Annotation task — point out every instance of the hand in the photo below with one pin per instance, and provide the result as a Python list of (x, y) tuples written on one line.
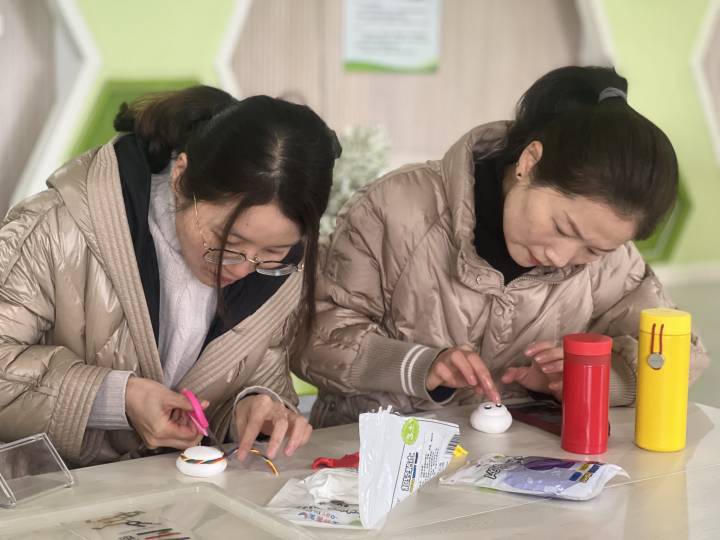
[(544, 374), (158, 415), (461, 367), (260, 413)]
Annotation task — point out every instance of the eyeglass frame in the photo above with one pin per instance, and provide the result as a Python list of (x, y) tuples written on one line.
[(285, 270)]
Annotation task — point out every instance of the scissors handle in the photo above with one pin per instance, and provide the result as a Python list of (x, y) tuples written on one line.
[(197, 415)]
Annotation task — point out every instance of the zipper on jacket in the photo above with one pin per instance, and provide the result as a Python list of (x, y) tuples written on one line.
[(549, 281)]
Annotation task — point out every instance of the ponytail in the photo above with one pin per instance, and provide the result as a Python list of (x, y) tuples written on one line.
[(165, 121), (553, 96)]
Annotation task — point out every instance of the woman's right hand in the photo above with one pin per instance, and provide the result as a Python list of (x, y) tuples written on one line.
[(461, 367), (159, 415)]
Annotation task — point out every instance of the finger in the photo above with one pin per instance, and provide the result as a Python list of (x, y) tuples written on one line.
[(509, 375), (183, 419), (174, 400), (518, 374), (297, 434), (197, 441), (170, 439), (280, 428), (445, 375), (538, 346), (308, 434), (483, 375), (179, 417), (240, 427), (176, 431), (462, 364), (150, 443), (555, 385), (549, 355), (204, 403), (186, 421), (251, 431), (552, 367)]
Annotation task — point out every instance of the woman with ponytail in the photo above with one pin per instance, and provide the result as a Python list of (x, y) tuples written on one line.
[(181, 254), (454, 281)]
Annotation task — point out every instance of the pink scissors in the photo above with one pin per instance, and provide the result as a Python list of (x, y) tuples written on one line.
[(197, 415)]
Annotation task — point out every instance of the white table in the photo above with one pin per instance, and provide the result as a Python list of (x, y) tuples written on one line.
[(669, 495)]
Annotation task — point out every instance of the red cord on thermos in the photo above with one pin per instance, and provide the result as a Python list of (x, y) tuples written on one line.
[(586, 393)]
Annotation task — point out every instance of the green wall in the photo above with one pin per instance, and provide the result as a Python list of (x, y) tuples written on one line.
[(654, 42), (154, 41)]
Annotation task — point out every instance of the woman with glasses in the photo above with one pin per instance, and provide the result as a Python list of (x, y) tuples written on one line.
[(455, 280), (171, 258)]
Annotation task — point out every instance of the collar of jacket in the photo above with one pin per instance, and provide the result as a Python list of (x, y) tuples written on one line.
[(91, 189), (457, 171)]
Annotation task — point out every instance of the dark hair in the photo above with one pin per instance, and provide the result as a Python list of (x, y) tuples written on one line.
[(253, 151), (602, 150)]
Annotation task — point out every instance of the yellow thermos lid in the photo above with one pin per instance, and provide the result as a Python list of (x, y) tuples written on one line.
[(673, 321)]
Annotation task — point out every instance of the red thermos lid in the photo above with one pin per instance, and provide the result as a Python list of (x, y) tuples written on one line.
[(587, 345)]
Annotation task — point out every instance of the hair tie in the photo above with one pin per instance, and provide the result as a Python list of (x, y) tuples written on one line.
[(611, 92)]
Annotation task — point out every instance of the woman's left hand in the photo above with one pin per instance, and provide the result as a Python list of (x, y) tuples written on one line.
[(260, 413), (544, 374)]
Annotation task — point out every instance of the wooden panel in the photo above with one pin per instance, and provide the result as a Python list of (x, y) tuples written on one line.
[(28, 88), (492, 50), (281, 51)]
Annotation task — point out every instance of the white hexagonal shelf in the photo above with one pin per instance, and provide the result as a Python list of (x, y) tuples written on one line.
[(26, 58), (59, 65)]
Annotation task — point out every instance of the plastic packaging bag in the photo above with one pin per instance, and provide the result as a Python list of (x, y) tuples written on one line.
[(328, 497), (397, 456), (534, 475)]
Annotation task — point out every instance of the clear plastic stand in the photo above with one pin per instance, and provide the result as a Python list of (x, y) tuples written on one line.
[(30, 467)]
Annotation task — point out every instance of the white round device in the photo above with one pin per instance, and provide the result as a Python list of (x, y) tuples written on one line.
[(491, 418), (201, 461)]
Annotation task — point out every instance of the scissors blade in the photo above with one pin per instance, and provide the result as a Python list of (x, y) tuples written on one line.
[(215, 441)]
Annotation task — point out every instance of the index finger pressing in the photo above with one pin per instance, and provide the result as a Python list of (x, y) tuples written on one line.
[(250, 432), (483, 375)]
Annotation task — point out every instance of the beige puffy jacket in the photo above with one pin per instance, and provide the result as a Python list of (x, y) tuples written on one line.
[(401, 281), (72, 308)]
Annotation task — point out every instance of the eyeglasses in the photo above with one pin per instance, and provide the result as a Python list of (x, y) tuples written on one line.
[(228, 257)]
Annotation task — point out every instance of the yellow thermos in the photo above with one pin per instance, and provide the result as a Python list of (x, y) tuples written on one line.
[(663, 372)]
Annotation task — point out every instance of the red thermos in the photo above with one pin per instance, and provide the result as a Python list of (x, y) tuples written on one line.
[(586, 393)]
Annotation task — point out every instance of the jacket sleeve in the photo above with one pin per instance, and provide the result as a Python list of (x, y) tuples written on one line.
[(42, 388), (351, 351), (622, 286)]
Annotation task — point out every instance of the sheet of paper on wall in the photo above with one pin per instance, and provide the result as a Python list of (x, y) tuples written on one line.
[(393, 36)]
